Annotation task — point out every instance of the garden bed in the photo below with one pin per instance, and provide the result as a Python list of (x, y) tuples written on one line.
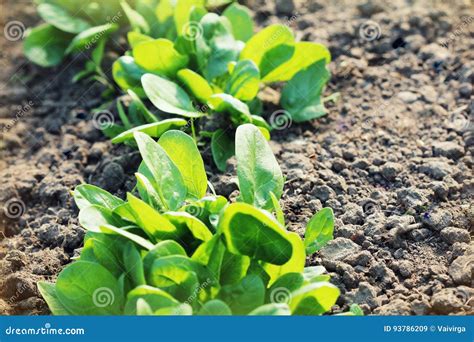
[(393, 157)]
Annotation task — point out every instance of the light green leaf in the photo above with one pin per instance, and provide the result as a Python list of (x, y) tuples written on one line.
[(161, 249), (278, 211), (319, 230), (239, 111), (305, 54), (159, 56), (154, 130), (61, 19), (196, 84), (313, 299), (257, 169), (134, 38), (166, 175), (94, 216), (182, 13), (244, 80), (301, 96), (86, 195), (151, 221), (168, 97), (184, 153), (109, 229), (240, 18), (265, 40), (255, 233)]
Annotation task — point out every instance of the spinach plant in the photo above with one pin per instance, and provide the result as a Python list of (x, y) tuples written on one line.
[(171, 248), (204, 63)]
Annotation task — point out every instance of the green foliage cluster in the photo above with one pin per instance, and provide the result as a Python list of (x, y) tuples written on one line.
[(171, 248)]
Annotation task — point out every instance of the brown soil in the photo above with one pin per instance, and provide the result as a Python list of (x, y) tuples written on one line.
[(393, 157)]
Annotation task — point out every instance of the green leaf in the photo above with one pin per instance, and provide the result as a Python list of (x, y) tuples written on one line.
[(183, 309), (155, 298), (196, 84), (182, 13), (239, 111), (159, 56), (222, 147), (280, 291), (168, 97), (184, 153), (216, 46), (240, 18), (314, 299), (234, 267), (161, 249), (94, 216), (88, 38), (305, 54), (138, 105), (301, 96), (86, 195), (266, 40), (85, 288), (244, 296), (319, 230), (182, 219), (273, 309), (294, 265), (356, 310), (45, 45), (106, 250), (137, 22), (127, 74), (166, 175), (255, 233), (143, 308), (257, 169), (61, 19), (109, 229), (278, 211), (134, 38), (215, 307), (48, 292), (313, 273), (151, 221), (244, 80), (276, 57), (154, 130), (133, 263)]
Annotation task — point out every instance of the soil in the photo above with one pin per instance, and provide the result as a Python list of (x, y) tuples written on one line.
[(393, 157)]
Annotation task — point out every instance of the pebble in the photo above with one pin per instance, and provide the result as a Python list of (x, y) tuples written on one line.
[(397, 307), (285, 7), (323, 192), (446, 301), (453, 234), (437, 219), (339, 248), (407, 96), (448, 149), (435, 168), (461, 270), (390, 170)]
